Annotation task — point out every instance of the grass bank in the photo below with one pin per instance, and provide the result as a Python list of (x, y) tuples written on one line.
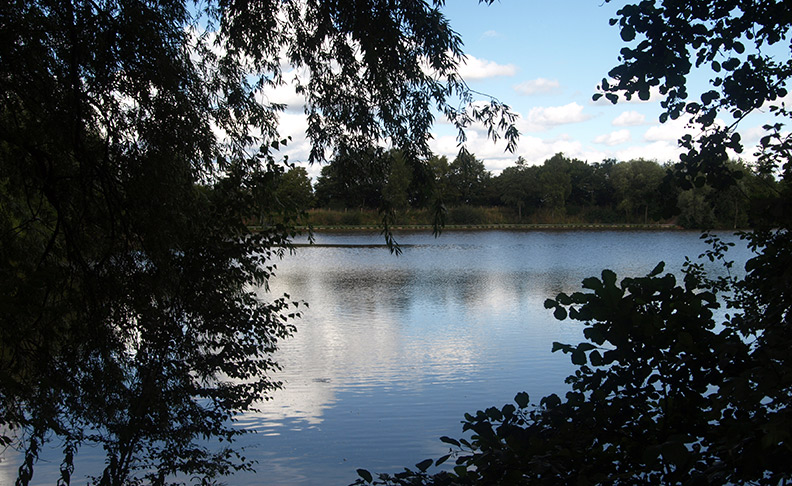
[(472, 218)]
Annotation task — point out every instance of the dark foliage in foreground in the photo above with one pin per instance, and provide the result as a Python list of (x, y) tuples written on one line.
[(136, 142)]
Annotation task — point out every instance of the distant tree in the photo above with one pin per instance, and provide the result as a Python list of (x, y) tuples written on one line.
[(294, 190), (583, 183), (695, 208), (354, 178), (467, 178), (399, 178), (556, 183), (441, 171), (602, 181), (637, 184), (513, 185)]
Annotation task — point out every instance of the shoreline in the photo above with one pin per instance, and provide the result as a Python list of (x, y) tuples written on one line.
[(485, 227)]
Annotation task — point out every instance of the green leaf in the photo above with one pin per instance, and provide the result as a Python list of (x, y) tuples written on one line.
[(578, 358)]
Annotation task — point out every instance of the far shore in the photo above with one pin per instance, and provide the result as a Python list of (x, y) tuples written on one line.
[(483, 227)]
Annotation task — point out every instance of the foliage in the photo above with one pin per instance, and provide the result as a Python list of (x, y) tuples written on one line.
[(561, 190), (294, 190), (669, 389), (467, 179), (135, 148), (637, 185)]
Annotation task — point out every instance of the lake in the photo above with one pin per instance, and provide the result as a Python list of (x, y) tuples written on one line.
[(393, 350)]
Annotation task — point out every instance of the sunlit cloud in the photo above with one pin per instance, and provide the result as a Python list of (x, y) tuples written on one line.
[(614, 138), (670, 131), (661, 151), (539, 119), (629, 119), (474, 68), (537, 86)]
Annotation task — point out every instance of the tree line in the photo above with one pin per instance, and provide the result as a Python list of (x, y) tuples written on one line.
[(560, 189)]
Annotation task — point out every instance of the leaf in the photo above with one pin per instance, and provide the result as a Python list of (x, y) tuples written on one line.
[(424, 465), (560, 313), (578, 357), (731, 64), (365, 475), (494, 414), (442, 459), (550, 401), (627, 33), (658, 269), (592, 283), (449, 440), (675, 452), (522, 399)]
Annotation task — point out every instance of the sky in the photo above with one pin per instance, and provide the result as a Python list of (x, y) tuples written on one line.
[(545, 59)]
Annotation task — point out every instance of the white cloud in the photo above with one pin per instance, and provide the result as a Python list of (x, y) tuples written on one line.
[(285, 94), (614, 138), (629, 119), (475, 68), (661, 151), (490, 34), (670, 131), (539, 119), (536, 86)]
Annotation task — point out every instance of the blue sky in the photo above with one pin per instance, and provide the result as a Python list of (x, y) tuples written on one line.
[(545, 59)]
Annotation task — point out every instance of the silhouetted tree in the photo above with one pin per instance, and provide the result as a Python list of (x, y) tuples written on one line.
[(133, 138)]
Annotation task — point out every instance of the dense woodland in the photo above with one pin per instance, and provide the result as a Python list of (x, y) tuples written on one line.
[(561, 190)]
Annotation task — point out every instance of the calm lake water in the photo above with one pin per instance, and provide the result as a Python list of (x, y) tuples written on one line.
[(394, 350)]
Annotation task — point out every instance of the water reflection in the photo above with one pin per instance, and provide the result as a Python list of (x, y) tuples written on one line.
[(394, 350)]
